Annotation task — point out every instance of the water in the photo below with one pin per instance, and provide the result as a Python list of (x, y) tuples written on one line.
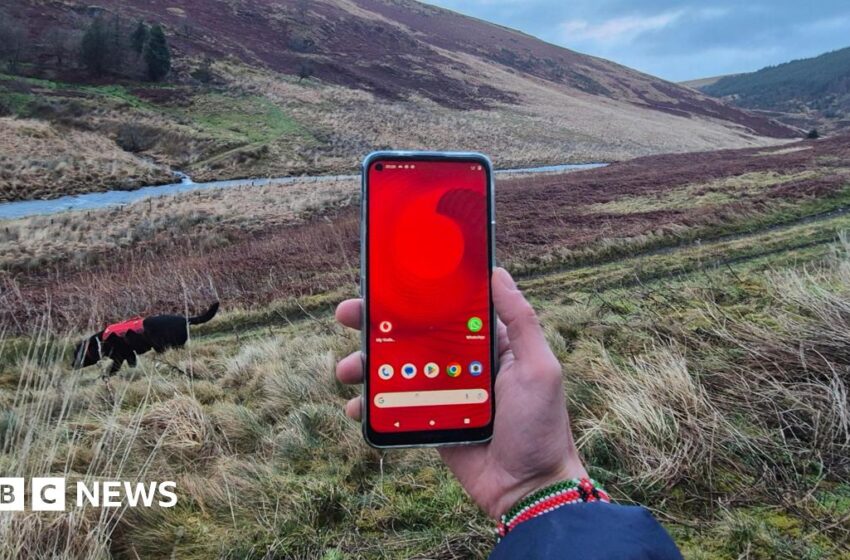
[(96, 200), (551, 168)]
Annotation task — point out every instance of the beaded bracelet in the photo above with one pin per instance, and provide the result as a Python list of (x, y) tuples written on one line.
[(551, 498)]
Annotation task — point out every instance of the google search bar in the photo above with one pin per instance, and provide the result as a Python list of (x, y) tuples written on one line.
[(430, 398)]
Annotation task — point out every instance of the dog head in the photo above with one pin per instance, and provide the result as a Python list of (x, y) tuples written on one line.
[(88, 352)]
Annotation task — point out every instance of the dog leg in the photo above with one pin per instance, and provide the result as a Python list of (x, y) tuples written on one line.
[(108, 386), (116, 365)]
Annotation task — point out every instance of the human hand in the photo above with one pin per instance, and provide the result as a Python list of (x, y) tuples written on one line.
[(532, 443)]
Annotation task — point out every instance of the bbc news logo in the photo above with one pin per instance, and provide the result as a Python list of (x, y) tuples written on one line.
[(48, 494)]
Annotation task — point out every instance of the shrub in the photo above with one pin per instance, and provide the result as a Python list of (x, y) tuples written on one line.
[(136, 137)]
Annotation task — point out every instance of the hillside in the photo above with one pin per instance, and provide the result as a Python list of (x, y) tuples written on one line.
[(811, 92), (262, 87), (700, 83)]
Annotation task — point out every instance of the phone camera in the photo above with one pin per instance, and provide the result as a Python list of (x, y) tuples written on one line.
[(379, 167)]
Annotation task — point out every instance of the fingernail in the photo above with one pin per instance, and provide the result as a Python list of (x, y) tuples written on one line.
[(506, 279)]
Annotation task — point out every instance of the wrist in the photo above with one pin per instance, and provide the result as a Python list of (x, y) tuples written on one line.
[(572, 468), (549, 499)]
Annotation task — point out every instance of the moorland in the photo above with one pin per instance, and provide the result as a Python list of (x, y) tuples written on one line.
[(695, 290), (272, 88), (698, 305)]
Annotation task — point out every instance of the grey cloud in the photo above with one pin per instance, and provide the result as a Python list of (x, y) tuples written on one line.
[(701, 38)]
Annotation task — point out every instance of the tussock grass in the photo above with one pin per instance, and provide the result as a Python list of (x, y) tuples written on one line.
[(57, 426), (656, 420), (201, 219), (42, 160), (717, 397), (729, 395)]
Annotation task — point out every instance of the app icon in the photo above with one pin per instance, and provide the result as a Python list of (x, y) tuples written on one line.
[(385, 372), (385, 326), (454, 369), (474, 324), (408, 371), (431, 370), (475, 369)]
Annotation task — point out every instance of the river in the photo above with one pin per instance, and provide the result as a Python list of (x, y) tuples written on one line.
[(96, 200)]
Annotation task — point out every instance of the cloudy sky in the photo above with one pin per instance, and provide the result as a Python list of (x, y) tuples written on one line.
[(677, 39)]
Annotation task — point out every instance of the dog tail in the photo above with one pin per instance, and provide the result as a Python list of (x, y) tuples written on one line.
[(206, 316)]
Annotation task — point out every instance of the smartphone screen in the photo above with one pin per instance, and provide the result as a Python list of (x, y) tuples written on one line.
[(429, 321)]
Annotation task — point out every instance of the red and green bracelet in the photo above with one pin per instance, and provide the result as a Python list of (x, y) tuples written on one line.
[(551, 498)]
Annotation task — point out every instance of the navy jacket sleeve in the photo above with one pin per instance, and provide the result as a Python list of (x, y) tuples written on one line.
[(594, 531)]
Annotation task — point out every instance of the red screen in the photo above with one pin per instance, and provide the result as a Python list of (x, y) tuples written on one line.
[(428, 296)]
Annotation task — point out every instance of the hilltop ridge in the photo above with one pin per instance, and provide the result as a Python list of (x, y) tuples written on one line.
[(810, 92)]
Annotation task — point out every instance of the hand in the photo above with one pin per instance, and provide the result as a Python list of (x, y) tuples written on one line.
[(532, 444)]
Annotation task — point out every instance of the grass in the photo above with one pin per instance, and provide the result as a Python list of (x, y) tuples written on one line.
[(669, 398), (295, 236), (252, 119), (704, 360), (44, 160), (723, 191), (208, 219)]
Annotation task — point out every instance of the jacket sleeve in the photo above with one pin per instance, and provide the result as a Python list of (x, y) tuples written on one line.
[(589, 531)]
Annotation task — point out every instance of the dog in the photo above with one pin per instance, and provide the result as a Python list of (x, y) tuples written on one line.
[(122, 342)]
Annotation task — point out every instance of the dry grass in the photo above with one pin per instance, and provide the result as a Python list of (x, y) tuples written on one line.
[(736, 188), (657, 417), (207, 219), (550, 125), (42, 160), (251, 246), (730, 417), (54, 424), (266, 124)]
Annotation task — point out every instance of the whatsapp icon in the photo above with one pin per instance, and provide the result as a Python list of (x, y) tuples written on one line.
[(474, 324)]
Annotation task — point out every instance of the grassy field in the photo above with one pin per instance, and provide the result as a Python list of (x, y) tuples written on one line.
[(703, 337)]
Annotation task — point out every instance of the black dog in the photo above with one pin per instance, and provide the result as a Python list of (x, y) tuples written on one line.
[(123, 341)]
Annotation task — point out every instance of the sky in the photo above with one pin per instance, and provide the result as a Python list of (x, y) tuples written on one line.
[(677, 39)]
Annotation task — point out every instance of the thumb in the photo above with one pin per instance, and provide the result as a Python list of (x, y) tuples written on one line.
[(524, 332)]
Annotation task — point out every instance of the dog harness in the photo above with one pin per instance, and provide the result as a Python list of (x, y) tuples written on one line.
[(135, 324)]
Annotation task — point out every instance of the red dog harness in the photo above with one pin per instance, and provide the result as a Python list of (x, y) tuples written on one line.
[(121, 329)]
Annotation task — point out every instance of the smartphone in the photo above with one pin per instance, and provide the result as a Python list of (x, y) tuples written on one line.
[(428, 332)]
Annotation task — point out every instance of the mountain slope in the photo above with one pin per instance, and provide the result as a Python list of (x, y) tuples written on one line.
[(814, 91), (373, 74)]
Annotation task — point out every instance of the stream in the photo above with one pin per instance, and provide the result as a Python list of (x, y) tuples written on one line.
[(96, 200)]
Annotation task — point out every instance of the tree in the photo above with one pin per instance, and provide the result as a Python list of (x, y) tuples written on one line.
[(117, 44), (139, 38), (61, 44), (13, 40), (94, 48), (813, 134), (157, 54)]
